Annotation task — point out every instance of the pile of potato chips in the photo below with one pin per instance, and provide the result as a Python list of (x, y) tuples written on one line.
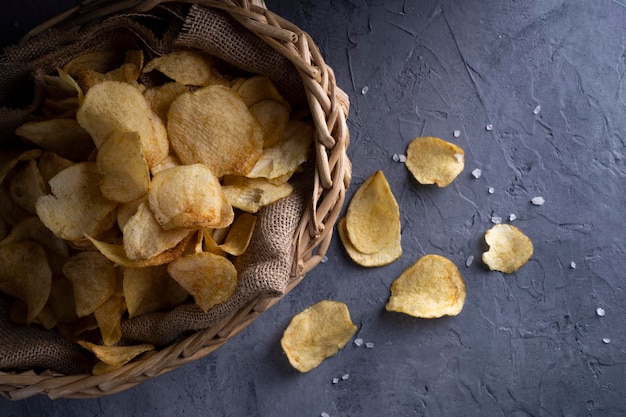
[(141, 186)]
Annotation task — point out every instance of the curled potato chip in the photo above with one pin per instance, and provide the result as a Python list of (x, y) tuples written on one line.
[(18, 313), (50, 164), (123, 166), (109, 319), (213, 126), (144, 238), (189, 196), (116, 355), (373, 215), (131, 113), (509, 248), (250, 194), (76, 206), (151, 289), (255, 89), (65, 137), (317, 333), (25, 274), (239, 234), (430, 288), (127, 210), (386, 255), (187, 67), (93, 280), (9, 159), (273, 116), (211, 279), (100, 61), (434, 161), (160, 98), (25, 185)]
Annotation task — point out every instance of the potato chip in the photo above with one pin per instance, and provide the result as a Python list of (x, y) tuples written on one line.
[(76, 206), (61, 299), (116, 355), (211, 279), (250, 194), (189, 196), (93, 280), (109, 318), (131, 113), (373, 216), (430, 288), (10, 211), (317, 333), (151, 289), (256, 89), (434, 161), (126, 73), (213, 126), (65, 137), (170, 161), (287, 155), (209, 243), (187, 67), (9, 159), (161, 97), (50, 164), (25, 275), (144, 238), (387, 254), (509, 248), (273, 116), (127, 210), (100, 61), (239, 234), (19, 311), (123, 166), (25, 185)]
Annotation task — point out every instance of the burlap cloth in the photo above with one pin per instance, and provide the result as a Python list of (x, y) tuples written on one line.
[(265, 268)]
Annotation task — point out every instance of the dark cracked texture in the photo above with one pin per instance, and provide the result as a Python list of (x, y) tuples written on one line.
[(549, 77)]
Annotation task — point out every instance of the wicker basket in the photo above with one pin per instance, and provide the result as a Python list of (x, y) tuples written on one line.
[(329, 108)]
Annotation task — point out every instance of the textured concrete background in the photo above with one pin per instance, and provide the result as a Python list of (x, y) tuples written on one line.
[(526, 344)]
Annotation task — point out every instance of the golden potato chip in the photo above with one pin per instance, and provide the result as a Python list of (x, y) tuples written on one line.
[(434, 161), (187, 67), (189, 196), (65, 137), (373, 216), (387, 254), (250, 194), (101, 368), (213, 126), (126, 73), (25, 185), (93, 280), (34, 230), (170, 161), (144, 238), (209, 243), (161, 97), (317, 333), (109, 318), (257, 88), (61, 299), (287, 155), (430, 288), (509, 248), (116, 355), (19, 311), (131, 113), (123, 166), (9, 159), (25, 275), (100, 61), (273, 116), (50, 164), (239, 234), (76, 206), (151, 289), (211, 279), (127, 210)]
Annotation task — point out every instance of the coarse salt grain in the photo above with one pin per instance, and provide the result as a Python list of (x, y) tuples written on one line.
[(491, 190), (600, 312), (606, 340), (496, 220), (335, 380), (477, 173), (537, 109), (324, 259), (345, 376), (364, 90), (572, 265), (324, 414), (538, 201), (470, 260), (402, 158), (457, 133), (358, 342), (395, 157), (489, 128), (369, 345), (512, 217)]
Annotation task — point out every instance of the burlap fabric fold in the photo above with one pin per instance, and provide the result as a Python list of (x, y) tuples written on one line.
[(264, 270)]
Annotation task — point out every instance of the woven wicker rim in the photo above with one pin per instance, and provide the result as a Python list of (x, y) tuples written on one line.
[(329, 107)]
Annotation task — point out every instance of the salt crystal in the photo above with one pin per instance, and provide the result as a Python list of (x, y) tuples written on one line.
[(364, 90), (324, 259), (469, 260), (600, 312), (324, 414), (572, 265), (477, 173), (537, 109), (369, 345), (395, 157), (512, 217), (402, 158), (335, 380), (538, 201), (358, 342), (606, 340), (491, 190), (459, 157), (457, 133), (345, 376), (489, 128), (496, 220)]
